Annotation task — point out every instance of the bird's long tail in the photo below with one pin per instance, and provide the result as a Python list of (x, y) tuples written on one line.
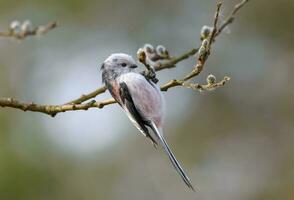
[(171, 156)]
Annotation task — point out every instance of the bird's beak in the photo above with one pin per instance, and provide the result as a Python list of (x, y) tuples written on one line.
[(102, 66), (133, 66)]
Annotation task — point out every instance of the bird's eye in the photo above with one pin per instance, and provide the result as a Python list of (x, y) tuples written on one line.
[(123, 64)]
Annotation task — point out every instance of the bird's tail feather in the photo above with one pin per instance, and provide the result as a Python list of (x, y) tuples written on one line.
[(171, 156)]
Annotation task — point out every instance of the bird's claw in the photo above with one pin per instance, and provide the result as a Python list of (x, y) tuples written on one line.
[(150, 74)]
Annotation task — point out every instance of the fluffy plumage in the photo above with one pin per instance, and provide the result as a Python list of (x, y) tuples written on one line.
[(141, 100)]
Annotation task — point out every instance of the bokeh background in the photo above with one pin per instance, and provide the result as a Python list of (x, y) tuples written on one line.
[(235, 142)]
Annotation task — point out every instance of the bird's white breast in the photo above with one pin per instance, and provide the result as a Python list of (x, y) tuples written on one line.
[(146, 95)]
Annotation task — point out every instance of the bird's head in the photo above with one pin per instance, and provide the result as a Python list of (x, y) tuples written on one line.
[(117, 64)]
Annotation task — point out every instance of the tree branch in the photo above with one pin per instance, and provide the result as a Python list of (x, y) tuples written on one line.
[(231, 17), (23, 30), (52, 109), (202, 52)]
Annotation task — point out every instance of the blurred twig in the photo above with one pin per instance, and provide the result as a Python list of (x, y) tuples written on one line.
[(23, 30), (231, 17), (202, 52)]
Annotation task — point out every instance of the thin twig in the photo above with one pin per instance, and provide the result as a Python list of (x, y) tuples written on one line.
[(208, 86), (231, 17), (215, 32), (22, 34), (201, 57), (88, 96)]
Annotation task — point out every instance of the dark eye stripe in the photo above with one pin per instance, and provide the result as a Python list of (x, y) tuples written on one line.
[(124, 64)]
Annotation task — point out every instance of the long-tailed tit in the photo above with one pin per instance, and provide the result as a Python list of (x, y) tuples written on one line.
[(141, 100)]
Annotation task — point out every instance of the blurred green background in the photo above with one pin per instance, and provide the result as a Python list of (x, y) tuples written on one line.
[(235, 142)]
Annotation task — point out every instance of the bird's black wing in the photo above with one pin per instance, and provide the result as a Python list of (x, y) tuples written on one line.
[(128, 102)]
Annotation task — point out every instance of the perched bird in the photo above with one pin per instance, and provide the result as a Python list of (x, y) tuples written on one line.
[(141, 100)]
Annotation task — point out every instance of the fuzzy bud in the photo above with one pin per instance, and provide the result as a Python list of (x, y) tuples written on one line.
[(141, 55), (201, 51), (205, 32), (149, 48), (14, 26), (26, 26), (203, 48), (205, 43), (211, 79), (162, 51)]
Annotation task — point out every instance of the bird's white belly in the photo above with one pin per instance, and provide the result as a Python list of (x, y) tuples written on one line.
[(147, 96)]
